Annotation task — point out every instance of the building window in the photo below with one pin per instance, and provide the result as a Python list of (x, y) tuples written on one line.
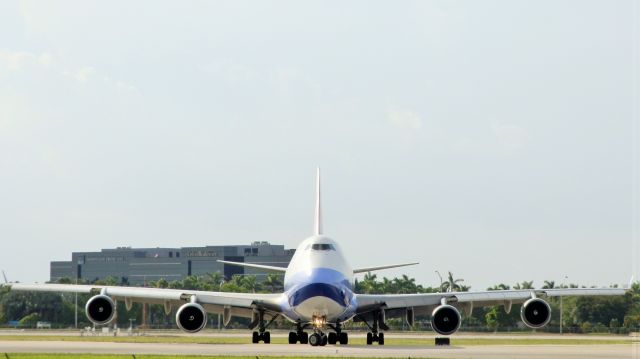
[(177, 254), (170, 254)]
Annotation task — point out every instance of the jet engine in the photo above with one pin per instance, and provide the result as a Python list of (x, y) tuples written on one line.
[(191, 318), (445, 320), (535, 313), (100, 309)]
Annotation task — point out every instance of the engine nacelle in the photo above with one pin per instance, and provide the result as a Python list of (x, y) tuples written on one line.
[(535, 313), (191, 318), (100, 309), (445, 320)]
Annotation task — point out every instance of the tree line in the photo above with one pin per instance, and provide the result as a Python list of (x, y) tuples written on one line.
[(619, 314)]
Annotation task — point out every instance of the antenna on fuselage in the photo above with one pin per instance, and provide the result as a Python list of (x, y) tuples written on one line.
[(317, 227)]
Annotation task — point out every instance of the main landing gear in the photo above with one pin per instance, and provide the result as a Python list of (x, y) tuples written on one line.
[(299, 335), (258, 337), (262, 335), (374, 336), (339, 336)]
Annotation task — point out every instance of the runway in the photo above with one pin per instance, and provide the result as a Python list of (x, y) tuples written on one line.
[(481, 352)]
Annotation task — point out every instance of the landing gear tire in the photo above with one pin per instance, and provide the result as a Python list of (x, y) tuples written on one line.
[(378, 323), (343, 338), (315, 339), (375, 337), (324, 340), (301, 337), (332, 338), (264, 336)]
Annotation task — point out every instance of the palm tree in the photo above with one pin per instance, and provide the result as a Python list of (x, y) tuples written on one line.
[(369, 284), (237, 280), (191, 282), (549, 284), (398, 285), (500, 286), (272, 282), (405, 284), (451, 284), (110, 280), (387, 285), (161, 283), (250, 283), (211, 281), (214, 278), (524, 285)]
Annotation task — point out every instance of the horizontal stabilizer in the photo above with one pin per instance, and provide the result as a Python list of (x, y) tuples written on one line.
[(371, 269), (252, 265)]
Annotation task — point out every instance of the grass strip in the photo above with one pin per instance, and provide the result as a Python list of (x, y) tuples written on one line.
[(130, 356)]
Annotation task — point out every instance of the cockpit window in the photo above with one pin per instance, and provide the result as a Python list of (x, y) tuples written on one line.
[(323, 247)]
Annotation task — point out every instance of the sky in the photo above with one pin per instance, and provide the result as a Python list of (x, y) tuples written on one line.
[(497, 140)]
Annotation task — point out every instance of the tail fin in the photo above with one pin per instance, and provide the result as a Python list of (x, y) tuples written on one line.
[(317, 227)]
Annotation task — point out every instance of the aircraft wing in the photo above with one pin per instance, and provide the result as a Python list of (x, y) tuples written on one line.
[(237, 304), (254, 265), (371, 269), (466, 301)]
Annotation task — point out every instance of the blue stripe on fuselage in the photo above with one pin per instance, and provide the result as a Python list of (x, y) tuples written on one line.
[(318, 290), (325, 276), (323, 282)]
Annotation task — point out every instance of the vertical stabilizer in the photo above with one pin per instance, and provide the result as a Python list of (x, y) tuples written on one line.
[(317, 223)]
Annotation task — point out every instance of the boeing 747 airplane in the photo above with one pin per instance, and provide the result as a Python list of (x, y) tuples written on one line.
[(318, 299)]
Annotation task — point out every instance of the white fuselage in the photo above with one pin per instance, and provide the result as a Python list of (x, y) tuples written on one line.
[(318, 283)]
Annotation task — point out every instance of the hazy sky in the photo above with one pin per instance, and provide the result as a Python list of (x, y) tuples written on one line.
[(494, 139)]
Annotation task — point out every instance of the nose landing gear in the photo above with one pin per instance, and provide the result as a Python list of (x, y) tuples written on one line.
[(318, 339)]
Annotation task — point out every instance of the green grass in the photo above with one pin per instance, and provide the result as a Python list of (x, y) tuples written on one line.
[(138, 339), (123, 356), (457, 341)]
